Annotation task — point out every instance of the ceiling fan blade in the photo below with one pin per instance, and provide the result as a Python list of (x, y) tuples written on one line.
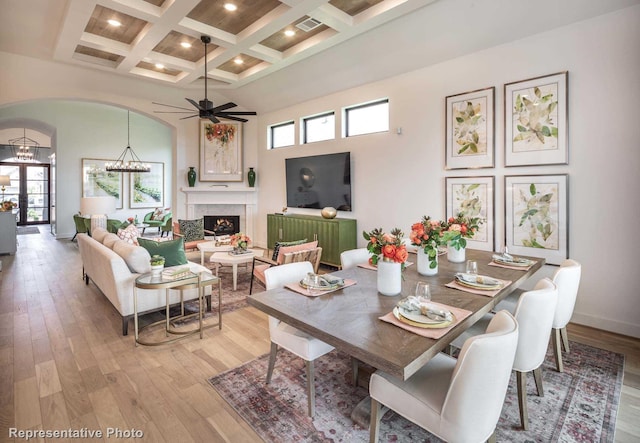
[(171, 106), (190, 111), (223, 107), (213, 119), (191, 116), (237, 113), (228, 117), (194, 103)]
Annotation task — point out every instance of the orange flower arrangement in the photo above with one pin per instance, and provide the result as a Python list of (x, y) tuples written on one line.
[(240, 240), (427, 234), (387, 247)]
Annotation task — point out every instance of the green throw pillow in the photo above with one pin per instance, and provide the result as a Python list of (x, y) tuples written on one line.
[(172, 250), (192, 229), (276, 248)]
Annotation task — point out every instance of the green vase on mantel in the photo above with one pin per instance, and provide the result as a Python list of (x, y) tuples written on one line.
[(191, 176), (251, 177)]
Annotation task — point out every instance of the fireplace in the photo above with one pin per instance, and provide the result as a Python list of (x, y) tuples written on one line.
[(222, 224)]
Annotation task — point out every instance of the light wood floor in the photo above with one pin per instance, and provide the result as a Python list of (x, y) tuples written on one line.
[(64, 363)]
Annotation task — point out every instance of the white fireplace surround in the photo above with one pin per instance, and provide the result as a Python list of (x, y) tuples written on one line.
[(221, 195)]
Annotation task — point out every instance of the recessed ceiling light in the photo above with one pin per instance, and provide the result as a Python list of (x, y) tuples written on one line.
[(185, 44), (238, 61), (289, 32), (230, 7), (114, 22), (159, 66)]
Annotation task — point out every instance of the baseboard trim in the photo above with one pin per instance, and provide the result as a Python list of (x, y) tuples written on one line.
[(606, 324)]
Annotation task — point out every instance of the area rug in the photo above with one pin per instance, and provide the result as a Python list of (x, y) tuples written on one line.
[(579, 405), (24, 230)]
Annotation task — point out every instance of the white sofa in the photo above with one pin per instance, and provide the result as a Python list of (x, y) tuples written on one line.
[(113, 265)]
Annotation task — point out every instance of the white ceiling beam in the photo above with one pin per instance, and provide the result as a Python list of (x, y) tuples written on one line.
[(78, 15)]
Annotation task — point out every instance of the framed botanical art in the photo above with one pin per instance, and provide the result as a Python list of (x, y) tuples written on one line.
[(537, 219), (470, 129), (536, 131), (146, 189), (98, 182), (220, 151), (473, 197)]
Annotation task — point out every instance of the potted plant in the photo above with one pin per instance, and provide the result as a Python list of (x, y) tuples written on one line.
[(157, 264)]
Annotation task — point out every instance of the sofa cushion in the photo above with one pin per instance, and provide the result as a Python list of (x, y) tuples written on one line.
[(99, 234), (129, 234), (295, 248), (137, 259), (110, 240), (172, 250), (278, 244), (192, 229)]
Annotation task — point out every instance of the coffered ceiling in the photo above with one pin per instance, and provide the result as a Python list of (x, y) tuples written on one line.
[(160, 39)]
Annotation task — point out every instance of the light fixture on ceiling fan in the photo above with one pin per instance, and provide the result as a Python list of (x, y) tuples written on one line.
[(128, 160), (23, 148), (205, 108)]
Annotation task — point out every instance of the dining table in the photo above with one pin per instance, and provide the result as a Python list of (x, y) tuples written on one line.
[(350, 318)]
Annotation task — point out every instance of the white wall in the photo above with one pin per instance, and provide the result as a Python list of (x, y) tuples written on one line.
[(398, 178)]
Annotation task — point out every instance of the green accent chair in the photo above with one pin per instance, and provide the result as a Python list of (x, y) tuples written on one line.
[(167, 227), (82, 227), (156, 223), (113, 225)]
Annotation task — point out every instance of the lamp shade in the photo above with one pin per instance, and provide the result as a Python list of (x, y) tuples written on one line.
[(5, 180), (97, 205)]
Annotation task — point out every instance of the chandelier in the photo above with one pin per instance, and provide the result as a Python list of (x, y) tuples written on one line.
[(128, 160), (24, 149)]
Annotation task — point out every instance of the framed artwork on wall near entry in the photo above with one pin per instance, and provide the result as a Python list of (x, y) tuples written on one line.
[(469, 133), (98, 182), (536, 123), (220, 151), (473, 197), (536, 216), (146, 189)]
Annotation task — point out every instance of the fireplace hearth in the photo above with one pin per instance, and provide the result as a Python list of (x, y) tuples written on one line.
[(222, 224)]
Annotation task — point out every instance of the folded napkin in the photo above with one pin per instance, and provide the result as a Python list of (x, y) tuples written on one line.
[(435, 333), (424, 306), (517, 268), (375, 268), (455, 285), (297, 287)]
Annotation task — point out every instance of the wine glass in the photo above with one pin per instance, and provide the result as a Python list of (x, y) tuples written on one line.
[(422, 290), (472, 267)]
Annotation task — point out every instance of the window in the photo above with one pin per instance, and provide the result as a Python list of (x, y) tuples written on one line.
[(319, 127), (281, 135), (367, 118)]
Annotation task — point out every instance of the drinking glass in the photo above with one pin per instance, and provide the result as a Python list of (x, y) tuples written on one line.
[(472, 267), (422, 290)]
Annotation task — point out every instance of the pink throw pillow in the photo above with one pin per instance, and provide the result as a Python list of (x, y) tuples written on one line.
[(129, 234), (296, 248)]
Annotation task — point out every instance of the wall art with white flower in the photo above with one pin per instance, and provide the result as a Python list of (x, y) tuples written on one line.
[(473, 197)]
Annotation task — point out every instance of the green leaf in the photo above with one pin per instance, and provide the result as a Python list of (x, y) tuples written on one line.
[(522, 128), (459, 119), (532, 189), (546, 198), (473, 147), (546, 131), (473, 186), (537, 92), (464, 148), (554, 132), (476, 137), (366, 235)]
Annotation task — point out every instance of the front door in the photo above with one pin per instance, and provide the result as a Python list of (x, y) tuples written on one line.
[(30, 189)]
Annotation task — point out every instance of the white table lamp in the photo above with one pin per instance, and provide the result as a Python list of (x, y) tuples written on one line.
[(97, 208), (5, 180)]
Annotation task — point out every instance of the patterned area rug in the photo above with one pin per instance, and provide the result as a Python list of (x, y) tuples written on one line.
[(579, 405)]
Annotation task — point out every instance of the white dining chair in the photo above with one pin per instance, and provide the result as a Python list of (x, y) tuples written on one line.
[(456, 400), (295, 341), (353, 257), (567, 279), (534, 313)]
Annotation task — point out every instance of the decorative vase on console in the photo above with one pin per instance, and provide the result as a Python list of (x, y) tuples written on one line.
[(389, 254), (426, 235), (191, 176), (458, 229), (251, 177)]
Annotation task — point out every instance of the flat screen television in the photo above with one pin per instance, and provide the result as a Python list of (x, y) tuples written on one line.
[(319, 181)]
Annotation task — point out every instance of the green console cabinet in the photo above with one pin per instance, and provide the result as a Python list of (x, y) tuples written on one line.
[(334, 235)]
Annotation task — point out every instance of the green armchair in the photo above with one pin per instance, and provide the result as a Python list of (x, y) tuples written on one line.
[(82, 227), (148, 220)]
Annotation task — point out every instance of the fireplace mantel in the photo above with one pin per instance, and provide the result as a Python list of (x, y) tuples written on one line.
[(221, 195)]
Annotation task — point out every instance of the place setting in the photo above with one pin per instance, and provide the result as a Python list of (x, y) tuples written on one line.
[(506, 260), (419, 314), (314, 285), (471, 281)]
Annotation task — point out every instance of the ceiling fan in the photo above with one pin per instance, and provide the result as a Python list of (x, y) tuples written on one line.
[(205, 108)]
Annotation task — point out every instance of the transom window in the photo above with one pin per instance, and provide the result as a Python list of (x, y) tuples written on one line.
[(319, 127), (282, 134), (367, 118)]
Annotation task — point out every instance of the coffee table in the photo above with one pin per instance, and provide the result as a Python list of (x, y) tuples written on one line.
[(226, 258), (210, 246)]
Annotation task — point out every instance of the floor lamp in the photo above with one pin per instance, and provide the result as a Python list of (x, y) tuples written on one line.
[(97, 208)]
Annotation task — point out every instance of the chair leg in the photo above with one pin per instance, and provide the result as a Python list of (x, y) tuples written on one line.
[(537, 377), (565, 339), (253, 265), (354, 371), (521, 378), (557, 352), (311, 389), (74, 236), (492, 438), (272, 361), (374, 421)]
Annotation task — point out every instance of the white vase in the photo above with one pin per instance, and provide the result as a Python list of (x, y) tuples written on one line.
[(424, 265), (157, 269), (389, 277), (455, 255)]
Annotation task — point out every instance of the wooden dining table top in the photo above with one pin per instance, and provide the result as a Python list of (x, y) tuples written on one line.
[(348, 319)]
